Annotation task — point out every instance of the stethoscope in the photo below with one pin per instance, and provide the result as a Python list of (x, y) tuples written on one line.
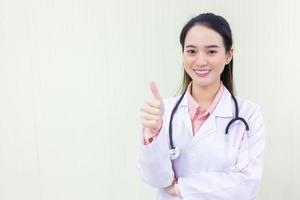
[(175, 151)]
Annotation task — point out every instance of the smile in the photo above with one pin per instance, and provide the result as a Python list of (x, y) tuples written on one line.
[(202, 72)]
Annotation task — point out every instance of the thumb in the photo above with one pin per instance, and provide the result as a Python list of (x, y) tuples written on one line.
[(154, 90)]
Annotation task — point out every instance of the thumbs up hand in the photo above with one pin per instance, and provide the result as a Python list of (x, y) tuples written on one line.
[(152, 111)]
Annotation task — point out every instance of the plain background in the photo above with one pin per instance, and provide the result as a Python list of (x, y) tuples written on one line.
[(73, 74)]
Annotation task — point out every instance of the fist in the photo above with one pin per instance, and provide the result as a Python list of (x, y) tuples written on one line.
[(152, 111)]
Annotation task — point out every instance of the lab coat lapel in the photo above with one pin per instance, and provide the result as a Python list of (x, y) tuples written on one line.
[(185, 114), (223, 109), (208, 127)]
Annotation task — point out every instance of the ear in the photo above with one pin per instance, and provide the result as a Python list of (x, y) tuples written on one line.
[(229, 55)]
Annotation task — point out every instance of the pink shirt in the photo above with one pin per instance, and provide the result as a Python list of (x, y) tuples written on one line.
[(199, 115)]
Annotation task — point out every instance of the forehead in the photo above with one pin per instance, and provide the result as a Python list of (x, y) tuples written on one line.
[(201, 36)]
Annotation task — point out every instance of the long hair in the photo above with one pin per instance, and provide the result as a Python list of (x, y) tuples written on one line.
[(221, 26)]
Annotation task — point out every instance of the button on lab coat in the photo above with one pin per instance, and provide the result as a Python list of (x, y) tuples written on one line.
[(212, 165)]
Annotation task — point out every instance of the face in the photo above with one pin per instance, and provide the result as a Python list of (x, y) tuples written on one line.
[(204, 56)]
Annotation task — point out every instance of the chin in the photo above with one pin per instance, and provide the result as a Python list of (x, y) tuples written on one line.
[(205, 82), (202, 83)]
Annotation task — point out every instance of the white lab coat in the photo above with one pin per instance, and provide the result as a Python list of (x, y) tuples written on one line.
[(212, 165)]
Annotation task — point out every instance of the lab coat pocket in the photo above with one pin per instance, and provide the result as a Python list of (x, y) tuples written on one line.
[(234, 139)]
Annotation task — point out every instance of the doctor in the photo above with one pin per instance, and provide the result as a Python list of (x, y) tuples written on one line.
[(211, 165)]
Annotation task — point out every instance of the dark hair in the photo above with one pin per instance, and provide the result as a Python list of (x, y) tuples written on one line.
[(221, 26)]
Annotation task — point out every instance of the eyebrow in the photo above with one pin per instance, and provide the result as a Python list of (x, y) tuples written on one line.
[(208, 46)]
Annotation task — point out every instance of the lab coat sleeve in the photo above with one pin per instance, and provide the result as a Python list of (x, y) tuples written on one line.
[(154, 164), (241, 181)]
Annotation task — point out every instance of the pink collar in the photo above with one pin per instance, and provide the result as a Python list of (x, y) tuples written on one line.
[(193, 106)]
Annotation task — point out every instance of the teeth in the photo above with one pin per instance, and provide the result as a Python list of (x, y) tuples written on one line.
[(202, 71)]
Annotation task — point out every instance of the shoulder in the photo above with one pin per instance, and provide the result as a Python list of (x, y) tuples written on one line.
[(251, 112), (171, 101), (247, 106)]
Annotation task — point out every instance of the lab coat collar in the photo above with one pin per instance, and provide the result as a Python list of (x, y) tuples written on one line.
[(224, 107)]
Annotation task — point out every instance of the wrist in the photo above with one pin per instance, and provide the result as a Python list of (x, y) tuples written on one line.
[(177, 189)]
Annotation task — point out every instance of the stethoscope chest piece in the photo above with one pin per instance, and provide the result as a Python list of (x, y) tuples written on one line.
[(174, 153)]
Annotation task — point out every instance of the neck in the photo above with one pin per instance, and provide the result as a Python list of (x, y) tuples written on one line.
[(205, 96)]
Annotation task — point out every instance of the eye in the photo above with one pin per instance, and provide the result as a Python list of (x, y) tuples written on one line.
[(212, 52), (191, 51)]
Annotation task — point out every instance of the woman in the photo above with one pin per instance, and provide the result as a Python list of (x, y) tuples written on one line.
[(215, 162)]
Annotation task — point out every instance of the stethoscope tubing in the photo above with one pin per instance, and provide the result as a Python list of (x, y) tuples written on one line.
[(174, 151)]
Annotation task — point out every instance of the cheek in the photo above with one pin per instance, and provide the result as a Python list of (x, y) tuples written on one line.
[(218, 63), (188, 60)]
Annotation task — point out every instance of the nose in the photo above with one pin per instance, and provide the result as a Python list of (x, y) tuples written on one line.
[(201, 60)]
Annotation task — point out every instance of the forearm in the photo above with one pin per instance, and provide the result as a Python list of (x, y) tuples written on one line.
[(154, 163)]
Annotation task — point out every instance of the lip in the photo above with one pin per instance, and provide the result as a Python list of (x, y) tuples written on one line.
[(202, 72)]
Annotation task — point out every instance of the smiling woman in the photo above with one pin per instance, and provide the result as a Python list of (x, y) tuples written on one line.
[(204, 60), (206, 144)]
